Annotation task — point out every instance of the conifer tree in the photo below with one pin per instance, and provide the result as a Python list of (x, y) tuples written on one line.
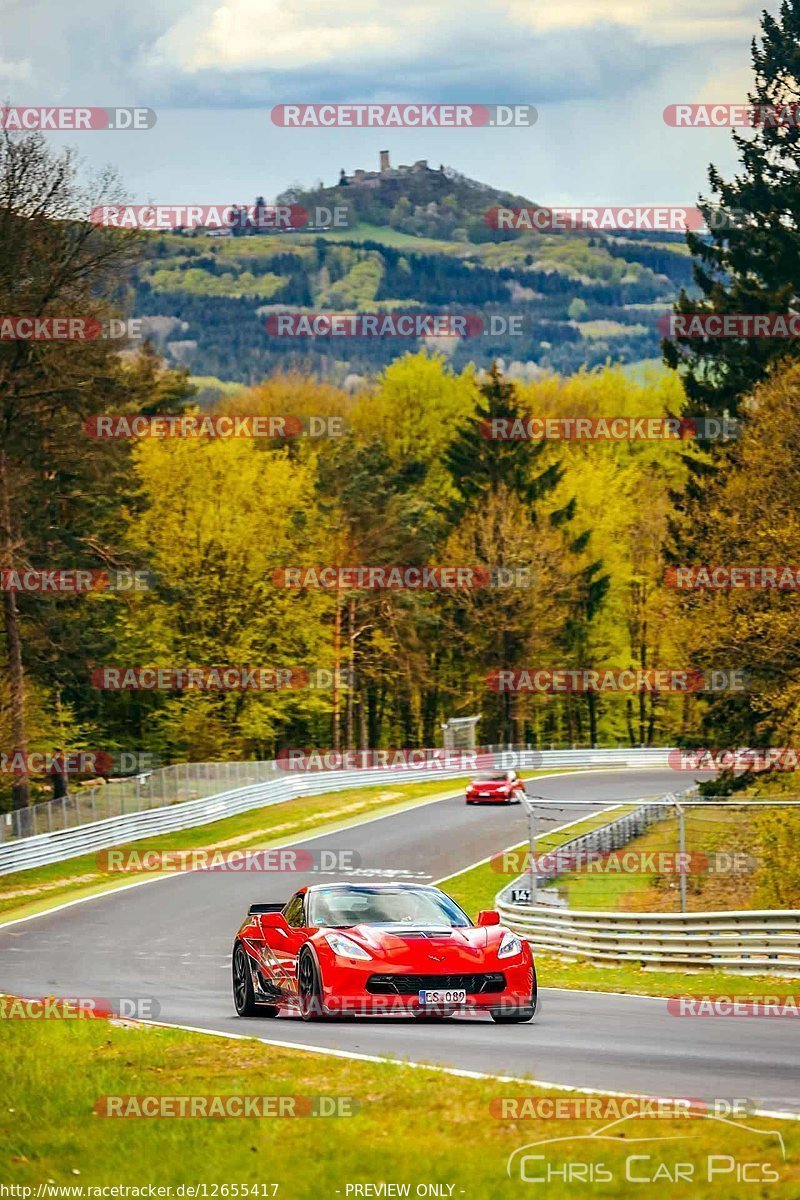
[(750, 260)]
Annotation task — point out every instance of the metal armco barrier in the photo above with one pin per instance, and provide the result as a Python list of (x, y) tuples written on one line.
[(736, 940), (271, 785)]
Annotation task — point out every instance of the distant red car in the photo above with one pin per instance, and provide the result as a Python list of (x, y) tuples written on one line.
[(369, 949), (496, 787)]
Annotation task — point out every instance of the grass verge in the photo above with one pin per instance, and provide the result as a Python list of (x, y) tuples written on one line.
[(411, 1127), (712, 836)]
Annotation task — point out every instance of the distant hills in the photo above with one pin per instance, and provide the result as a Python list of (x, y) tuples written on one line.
[(417, 240)]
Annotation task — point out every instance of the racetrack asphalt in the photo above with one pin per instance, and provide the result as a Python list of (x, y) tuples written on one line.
[(171, 940)]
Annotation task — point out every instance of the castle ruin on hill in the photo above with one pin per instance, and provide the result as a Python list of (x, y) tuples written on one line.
[(387, 173)]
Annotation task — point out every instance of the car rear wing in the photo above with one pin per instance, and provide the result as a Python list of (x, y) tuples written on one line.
[(255, 909)]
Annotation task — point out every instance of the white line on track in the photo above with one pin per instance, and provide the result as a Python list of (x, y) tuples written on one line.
[(288, 841), (461, 1072)]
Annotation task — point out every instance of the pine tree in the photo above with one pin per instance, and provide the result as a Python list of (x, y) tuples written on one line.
[(479, 464), (497, 479), (750, 260)]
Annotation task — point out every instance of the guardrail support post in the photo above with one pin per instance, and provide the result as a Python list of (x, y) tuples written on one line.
[(681, 851), (532, 837)]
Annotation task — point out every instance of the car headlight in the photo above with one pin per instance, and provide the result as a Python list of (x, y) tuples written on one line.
[(345, 947), (509, 944)]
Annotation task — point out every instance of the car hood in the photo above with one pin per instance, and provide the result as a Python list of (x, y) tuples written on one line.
[(426, 946)]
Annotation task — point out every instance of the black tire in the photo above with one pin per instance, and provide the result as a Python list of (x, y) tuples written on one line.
[(516, 1016), (309, 988), (243, 995)]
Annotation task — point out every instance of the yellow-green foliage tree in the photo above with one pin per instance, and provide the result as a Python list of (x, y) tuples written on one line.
[(622, 499), (219, 518), (778, 879)]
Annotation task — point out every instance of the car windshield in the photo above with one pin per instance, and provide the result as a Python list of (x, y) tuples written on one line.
[(492, 777), (342, 907)]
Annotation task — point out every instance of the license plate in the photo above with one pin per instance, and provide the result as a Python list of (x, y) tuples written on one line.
[(443, 996)]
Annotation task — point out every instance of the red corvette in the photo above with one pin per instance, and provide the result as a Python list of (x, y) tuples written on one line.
[(341, 948), (496, 787)]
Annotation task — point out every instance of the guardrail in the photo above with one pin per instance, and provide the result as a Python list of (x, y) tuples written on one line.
[(265, 784), (761, 940), (146, 790), (189, 781)]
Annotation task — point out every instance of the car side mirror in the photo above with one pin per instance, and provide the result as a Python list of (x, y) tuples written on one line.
[(275, 921), (488, 916)]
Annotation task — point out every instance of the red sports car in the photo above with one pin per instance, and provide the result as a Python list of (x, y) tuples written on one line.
[(342, 948), (496, 787)]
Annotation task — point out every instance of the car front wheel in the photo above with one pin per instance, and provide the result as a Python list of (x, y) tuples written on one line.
[(520, 1013), (309, 987)]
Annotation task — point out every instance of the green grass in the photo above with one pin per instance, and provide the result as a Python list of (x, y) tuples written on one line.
[(26, 892), (362, 232), (226, 386), (649, 981), (262, 248), (709, 833), (413, 1126), (477, 887)]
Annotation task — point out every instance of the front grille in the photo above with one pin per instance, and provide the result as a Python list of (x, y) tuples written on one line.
[(408, 985)]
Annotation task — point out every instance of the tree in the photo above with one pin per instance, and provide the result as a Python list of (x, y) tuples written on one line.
[(750, 518), (750, 261), (504, 512), (217, 520), (53, 262), (387, 486), (577, 309), (624, 490), (58, 488), (369, 503), (479, 463), (514, 624)]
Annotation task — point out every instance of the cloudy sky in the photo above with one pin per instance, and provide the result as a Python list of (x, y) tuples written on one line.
[(600, 73)]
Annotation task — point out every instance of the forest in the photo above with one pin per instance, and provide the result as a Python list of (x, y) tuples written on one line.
[(577, 541)]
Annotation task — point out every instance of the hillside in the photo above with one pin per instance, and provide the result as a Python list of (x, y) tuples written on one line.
[(416, 239)]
